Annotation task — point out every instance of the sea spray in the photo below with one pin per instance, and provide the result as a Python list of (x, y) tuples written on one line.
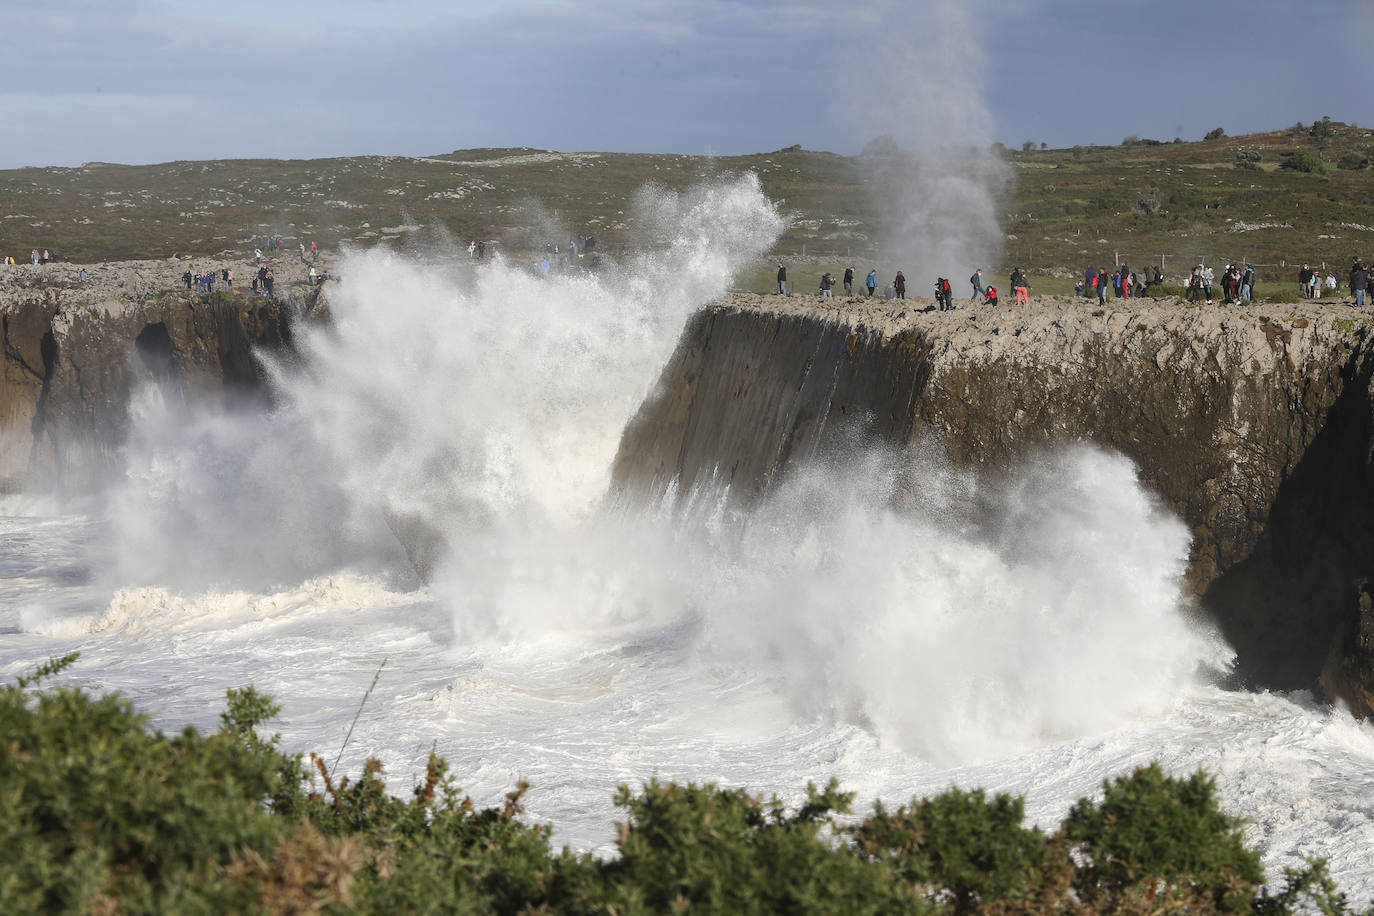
[(485, 404), (1049, 609), (936, 179), (954, 617)]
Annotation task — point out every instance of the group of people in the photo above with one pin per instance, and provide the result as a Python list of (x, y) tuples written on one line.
[(1310, 282), (1361, 282), (1122, 281), (205, 282), (944, 290), (1238, 283)]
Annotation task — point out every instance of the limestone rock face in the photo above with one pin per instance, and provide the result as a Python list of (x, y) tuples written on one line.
[(74, 352), (1255, 425)]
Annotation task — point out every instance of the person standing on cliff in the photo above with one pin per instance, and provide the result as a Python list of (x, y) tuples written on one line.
[(827, 282), (899, 284), (977, 281), (1102, 281), (1019, 286), (849, 281), (782, 280), (1247, 283), (872, 282), (1359, 278)]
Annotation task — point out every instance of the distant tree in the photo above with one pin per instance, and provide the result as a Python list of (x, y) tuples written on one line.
[(1027, 146), (1353, 161), (1178, 139), (1131, 140), (1321, 133), (1044, 145), (1215, 133), (1303, 160)]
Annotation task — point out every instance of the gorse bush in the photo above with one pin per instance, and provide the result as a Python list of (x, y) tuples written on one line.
[(99, 814), (1303, 161)]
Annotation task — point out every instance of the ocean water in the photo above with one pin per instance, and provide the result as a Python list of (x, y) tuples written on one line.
[(879, 618)]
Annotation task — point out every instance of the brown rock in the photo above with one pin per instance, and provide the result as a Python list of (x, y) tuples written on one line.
[(1257, 432)]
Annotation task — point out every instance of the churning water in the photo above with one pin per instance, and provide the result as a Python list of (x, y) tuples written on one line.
[(878, 619)]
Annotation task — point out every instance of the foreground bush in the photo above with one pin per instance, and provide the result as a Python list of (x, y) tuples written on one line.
[(101, 815)]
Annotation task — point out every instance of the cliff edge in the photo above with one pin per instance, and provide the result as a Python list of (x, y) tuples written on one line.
[(78, 340), (1254, 424)]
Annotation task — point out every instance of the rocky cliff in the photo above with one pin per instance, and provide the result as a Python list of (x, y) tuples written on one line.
[(75, 346), (1254, 424)]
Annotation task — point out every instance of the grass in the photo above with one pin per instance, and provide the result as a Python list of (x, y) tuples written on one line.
[(1145, 204)]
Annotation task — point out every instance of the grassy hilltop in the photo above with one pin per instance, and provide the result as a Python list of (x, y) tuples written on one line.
[(1305, 193)]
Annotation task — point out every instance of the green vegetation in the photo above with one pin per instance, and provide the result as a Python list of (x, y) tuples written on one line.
[(1275, 199), (99, 814), (1302, 160)]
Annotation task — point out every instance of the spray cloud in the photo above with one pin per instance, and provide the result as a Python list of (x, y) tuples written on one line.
[(936, 179)]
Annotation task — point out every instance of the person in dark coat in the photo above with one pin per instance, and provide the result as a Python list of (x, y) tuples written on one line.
[(1359, 280), (782, 280), (899, 284), (849, 281)]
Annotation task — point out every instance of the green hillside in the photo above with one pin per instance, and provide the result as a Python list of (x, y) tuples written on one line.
[(1277, 199)]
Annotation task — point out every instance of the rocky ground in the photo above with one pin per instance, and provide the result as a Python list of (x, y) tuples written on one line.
[(972, 323), (115, 284)]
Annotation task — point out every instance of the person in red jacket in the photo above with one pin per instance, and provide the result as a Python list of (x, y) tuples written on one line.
[(990, 296)]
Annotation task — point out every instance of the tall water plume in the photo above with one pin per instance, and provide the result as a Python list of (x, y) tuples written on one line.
[(936, 180), (467, 400), (958, 620)]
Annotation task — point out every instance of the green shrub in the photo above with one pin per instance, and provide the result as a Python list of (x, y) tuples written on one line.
[(1353, 161), (100, 814), (1303, 161), (1282, 293), (976, 851), (1166, 291), (725, 851), (95, 808), (1153, 835)]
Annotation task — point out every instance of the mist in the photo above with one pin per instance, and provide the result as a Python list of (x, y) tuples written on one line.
[(937, 183)]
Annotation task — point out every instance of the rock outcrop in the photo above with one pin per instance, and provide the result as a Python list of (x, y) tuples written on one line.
[(1254, 424), (75, 348)]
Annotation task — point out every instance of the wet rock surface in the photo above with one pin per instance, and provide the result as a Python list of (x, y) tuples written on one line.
[(77, 347), (1255, 424)]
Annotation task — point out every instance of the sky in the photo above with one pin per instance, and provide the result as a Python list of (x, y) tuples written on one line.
[(145, 81)]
